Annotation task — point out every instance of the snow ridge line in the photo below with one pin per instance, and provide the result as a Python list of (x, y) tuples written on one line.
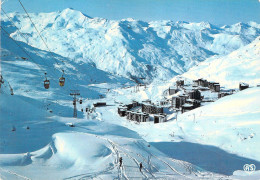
[(13, 173)]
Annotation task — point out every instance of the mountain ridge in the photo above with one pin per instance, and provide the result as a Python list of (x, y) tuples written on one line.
[(132, 48)]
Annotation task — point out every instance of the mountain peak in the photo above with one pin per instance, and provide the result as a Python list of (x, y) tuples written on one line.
[(156, 50)]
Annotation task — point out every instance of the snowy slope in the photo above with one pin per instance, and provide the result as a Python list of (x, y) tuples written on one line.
[(131, 48), (50, 149), (26, 76), (221, 136), (230, 123), (242, 65)]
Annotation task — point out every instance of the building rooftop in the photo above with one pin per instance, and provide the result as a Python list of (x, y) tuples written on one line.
[(187, 105)]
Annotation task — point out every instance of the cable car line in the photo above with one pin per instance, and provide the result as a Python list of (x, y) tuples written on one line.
[(62, 79), (28, 54), (22, 36), (46, 81), (38, 32), (14, 25), (19, 45)]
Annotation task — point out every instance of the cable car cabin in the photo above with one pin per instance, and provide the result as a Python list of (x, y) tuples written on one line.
[(62, 81), (47, 84)]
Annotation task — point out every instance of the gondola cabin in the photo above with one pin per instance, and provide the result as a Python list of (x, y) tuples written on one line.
[(62, 81), (47, 84)]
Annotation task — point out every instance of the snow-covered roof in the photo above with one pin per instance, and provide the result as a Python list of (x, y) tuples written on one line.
[(243, 84), (187, 105)]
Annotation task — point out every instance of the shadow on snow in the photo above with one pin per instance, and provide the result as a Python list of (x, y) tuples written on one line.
[(210, 158)]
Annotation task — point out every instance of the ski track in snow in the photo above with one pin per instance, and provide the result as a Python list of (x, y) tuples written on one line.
[(14, 173), (126, 154)]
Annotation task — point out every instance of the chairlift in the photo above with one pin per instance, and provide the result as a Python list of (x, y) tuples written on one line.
[(1, 80), (46, 83), (62, 80), (11, 89), (80, 101)]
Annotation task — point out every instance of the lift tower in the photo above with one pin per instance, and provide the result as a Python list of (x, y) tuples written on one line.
[(75, 93)]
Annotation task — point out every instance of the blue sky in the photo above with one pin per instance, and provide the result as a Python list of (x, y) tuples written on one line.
[(214, 11)]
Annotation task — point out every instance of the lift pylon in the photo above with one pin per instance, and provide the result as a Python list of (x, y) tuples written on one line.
[(75, 93)]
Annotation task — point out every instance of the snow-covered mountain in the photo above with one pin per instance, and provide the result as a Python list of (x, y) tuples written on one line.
[(131, 48), (26, 76), (242, 65)]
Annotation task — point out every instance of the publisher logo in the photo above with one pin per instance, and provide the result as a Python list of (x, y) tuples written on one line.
[(249, 168)]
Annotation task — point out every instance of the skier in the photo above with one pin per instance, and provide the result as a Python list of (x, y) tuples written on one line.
[(141, 166), (120, 161)]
